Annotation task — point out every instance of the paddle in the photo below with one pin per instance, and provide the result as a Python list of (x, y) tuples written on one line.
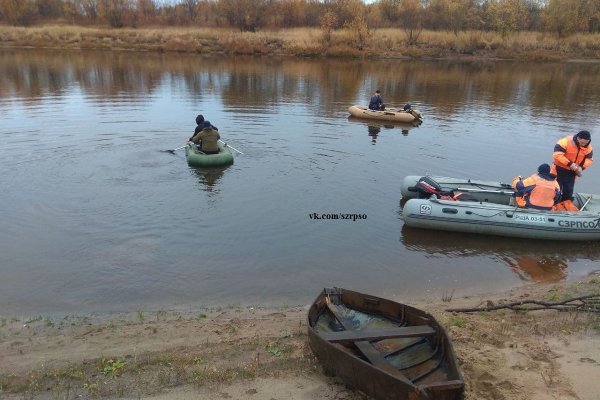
[(230, 146), (174, 150)]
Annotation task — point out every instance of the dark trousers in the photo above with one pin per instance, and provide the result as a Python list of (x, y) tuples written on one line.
[(566, 180)]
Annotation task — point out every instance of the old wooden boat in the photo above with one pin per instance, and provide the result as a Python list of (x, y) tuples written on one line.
[(197, 158), (390, 351), (391, 114), (489, 209)]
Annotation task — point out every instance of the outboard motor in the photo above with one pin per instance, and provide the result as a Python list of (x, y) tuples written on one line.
[(426, 187), (415, 113)]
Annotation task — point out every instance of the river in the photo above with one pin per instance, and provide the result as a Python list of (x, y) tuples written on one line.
[(98, 217)]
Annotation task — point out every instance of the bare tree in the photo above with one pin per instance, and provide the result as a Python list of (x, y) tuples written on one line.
[(90, 9)]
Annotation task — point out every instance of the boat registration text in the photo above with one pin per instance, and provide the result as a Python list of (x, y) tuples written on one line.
[(531, 218)]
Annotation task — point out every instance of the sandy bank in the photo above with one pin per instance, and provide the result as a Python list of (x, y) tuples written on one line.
[(263, 354)]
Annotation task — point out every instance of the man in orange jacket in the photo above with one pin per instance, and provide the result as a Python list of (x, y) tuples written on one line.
[(539, 191), (572, 155)]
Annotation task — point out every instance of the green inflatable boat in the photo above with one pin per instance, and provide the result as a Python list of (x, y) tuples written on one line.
[(196, 158)]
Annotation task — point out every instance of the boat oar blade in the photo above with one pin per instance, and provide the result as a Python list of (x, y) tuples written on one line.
[(172, 151)]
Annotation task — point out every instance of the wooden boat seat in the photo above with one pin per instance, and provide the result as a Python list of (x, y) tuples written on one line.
[(372, 334)]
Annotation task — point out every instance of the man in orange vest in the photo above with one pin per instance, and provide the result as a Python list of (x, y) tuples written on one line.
[(572, 154), (539, 191)]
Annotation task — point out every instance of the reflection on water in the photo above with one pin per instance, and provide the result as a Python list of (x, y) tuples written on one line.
[(440, 90), (546, 269), (530, 260), (209, 177), (373, 132), (96, 217), (374, 127)]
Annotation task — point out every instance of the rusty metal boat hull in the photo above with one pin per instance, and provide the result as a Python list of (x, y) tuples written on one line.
[(388, 350)]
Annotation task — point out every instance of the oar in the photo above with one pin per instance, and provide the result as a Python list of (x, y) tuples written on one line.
[(474, 190), (586, 203), (230, 146), (174, 150)]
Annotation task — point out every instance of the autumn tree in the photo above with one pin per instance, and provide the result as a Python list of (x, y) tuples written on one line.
[(70, 11), (18, 12), (346, 10), (590, 16), (115, 12), (328, 24), (49, 8), (246, 15), (561, 16), (390, 10), (456, 14), (191, 9), (352, 16), (411, 19), (291, 13), (507, 16), (359, 29), (146, 11), (533, 12)]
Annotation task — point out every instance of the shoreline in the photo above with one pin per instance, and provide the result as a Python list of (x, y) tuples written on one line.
[(388, 43), (235, 352)]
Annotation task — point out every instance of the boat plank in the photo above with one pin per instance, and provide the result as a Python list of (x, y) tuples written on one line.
[(433, 387), (367, 349), (373, 334)]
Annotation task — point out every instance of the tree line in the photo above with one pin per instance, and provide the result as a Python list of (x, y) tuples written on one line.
[(562, 17)]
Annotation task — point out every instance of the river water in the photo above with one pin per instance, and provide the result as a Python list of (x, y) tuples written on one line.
[(98, 217)]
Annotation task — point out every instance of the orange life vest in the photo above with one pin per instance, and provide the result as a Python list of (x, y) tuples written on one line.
[(567, 151), (541, 196)]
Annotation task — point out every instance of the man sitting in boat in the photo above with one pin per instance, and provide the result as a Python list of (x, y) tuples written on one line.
[(201, 123), (206, 136), (540, 191), (376, 102)]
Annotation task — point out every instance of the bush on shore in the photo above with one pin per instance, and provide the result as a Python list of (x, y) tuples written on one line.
[(308, 42)]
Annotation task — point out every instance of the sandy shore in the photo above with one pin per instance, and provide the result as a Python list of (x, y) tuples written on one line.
[(263, 354)]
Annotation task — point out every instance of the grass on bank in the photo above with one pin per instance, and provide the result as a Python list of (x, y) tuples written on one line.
[(211, 364), (309, 42), (506, 324)]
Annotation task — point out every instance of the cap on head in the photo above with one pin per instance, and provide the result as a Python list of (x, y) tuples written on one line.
[(585, 135), (407, 107), (544, 169), (199, 119)]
